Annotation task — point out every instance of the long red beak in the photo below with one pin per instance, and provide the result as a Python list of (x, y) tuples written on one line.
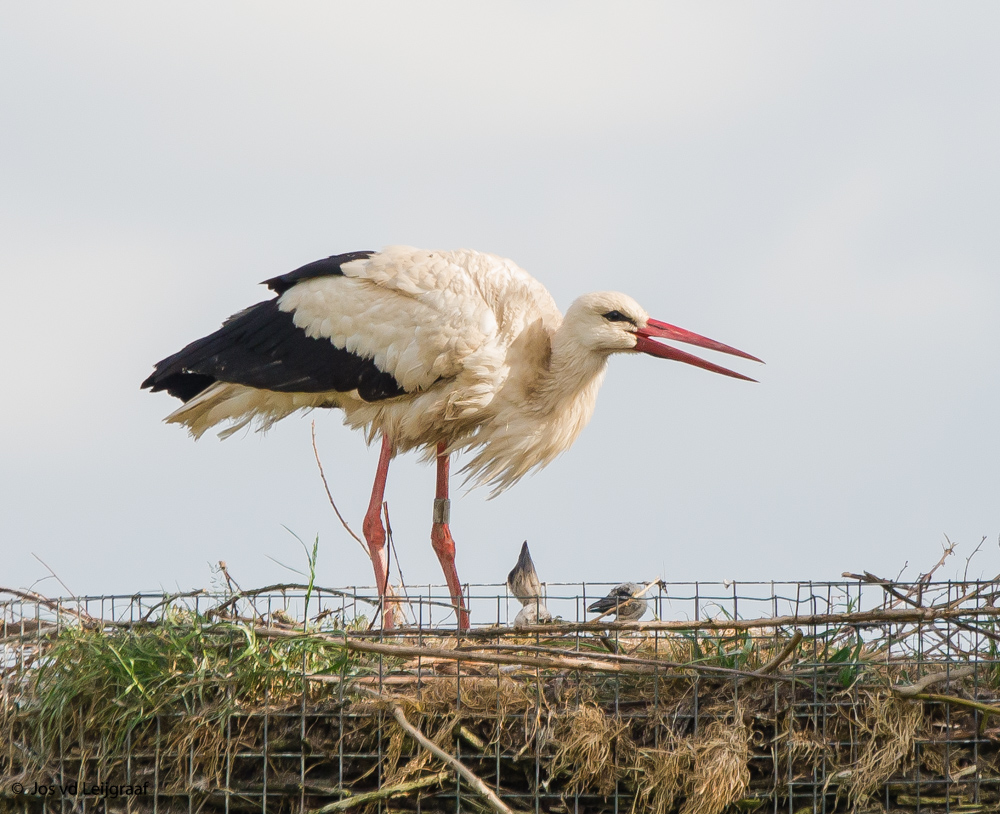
[(663, 330)]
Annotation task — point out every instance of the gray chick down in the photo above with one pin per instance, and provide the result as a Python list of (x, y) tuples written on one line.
[(623, 601), (524, 585)]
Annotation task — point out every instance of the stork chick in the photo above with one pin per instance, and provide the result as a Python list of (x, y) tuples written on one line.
[(524, 584), (625, 600)]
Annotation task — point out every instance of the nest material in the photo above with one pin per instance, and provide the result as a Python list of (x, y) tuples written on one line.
[(698, 723), (592, 748), (705, 774)]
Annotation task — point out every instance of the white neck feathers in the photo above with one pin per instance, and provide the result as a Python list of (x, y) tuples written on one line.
[(531, 433)]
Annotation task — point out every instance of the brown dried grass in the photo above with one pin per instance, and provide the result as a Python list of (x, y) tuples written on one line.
[(708, 772), (887, 731), (592, 748)]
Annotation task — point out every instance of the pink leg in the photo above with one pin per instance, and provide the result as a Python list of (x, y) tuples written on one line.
[(441, 540), (375, 533)]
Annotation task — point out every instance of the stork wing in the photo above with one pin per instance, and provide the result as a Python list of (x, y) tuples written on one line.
[(422, 316), (261, 347)]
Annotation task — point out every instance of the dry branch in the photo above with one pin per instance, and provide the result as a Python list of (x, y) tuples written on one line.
[(52, 604), (606, 664), (890, 588), (383, 793), (329, 495), (876, 617), (785, 652), (917, 687), (470, 777), (962, 702)]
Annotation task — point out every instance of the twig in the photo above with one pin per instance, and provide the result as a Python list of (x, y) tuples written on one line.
[(472, 779), (168, 599), (285, 586), (917, 687), (472, 737), (863, 618), (383, 793), (230, 582), (66, 587), (785, 652), (571, 663), (975, 593), (52, 604), (626, 665), (395, 553), (873, 618), (609, 644), (562, 651), (888, 587), (390, 550), (38, 631), (340, 517), (949, 549), (917, 587), (951, 699), (924, 579), (968, 560)]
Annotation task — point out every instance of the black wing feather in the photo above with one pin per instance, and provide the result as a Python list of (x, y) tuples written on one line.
[(616, 599), (320, 268), (262, 347)]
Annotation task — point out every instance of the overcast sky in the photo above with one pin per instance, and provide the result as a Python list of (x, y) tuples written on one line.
[(814, 183)]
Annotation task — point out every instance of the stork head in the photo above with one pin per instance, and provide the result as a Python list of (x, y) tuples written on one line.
[(609, 322)]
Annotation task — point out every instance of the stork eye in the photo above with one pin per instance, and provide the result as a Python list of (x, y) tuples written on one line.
[(617, 316)]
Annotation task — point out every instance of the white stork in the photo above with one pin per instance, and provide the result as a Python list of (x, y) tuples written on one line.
[(436, 350)]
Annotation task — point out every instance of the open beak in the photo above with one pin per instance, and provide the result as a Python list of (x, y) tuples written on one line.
[(662, 330)]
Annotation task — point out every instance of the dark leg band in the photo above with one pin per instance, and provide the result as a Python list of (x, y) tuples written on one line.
[(442, 510)]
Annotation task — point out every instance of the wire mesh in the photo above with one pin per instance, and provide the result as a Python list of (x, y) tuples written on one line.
[(821, 727)]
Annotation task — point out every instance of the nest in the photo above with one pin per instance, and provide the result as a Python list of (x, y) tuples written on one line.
[(229, 712)]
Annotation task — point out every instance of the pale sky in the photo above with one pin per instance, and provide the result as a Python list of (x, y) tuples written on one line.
[(816, 184)]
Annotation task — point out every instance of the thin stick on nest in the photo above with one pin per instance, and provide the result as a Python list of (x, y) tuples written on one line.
[(556, 662), (917, 687), (66, 587), (329, 496), (951, 699), (888, 587), (786, 651), (470, 777), (219, 610), (168, 599), (51, 604), (873, 617), (617, 658), (915, 692), (383, 793), (625, 665)]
